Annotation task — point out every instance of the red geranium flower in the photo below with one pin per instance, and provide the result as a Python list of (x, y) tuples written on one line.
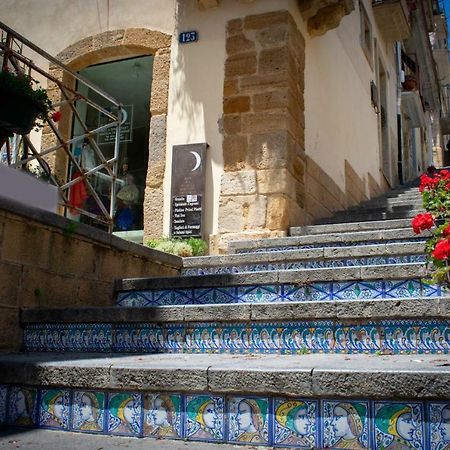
[(446, 231), (56, 116), (427, 182), (442, 249), (422, 222)]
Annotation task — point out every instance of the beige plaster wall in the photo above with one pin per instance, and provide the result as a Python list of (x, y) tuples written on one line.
[(196, 89), (340, 123)]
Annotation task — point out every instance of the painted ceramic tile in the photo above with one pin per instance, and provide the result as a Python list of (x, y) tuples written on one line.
[(429, 290), (248, 420), (319, 291), (293, 293), (264, 338), (235, 338), (295, 423), (183, 297), (355, 291), (134, 299), (54, 409), (204, 418), (439, 428), (403, 289), (3, 398), (399, 425), (257, 294), (161, 298), (162, 416), (204, 296), (88, 411), (399, 336), (345, 424), (433, 338), (360, 338), (22, 406), (203, 338), (124, 413), (225, 295), (174, 338)]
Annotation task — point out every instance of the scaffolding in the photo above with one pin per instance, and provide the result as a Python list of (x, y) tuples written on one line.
[(21, 57)]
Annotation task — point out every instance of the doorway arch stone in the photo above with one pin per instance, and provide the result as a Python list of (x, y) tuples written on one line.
[(111, 46)]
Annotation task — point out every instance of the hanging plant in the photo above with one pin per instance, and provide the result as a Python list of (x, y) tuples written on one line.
[(24, 103)]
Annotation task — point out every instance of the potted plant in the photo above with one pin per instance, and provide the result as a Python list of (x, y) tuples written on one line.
[(435, 190), (410, 83), (23, 103)]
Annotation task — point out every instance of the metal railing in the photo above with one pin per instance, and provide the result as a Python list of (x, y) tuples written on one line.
[(17, 55)]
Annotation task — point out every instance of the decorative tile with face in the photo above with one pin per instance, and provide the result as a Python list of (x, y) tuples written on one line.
[(54, 409), (22, 406), (295, 423), (248, 420), (345, 424), (3, 398), (124, 413), (399, 425), (204, 418), (162, 416), (88, 411), (439, 428)]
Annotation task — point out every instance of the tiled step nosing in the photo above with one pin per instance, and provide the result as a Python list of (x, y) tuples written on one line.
[(338, 310), (283, 259), (315, 376), (329, 239), (348, 227), (398, 248), (301, 276)]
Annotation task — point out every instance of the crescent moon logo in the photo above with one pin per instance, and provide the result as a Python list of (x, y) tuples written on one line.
[(198, 161), (124, 116)]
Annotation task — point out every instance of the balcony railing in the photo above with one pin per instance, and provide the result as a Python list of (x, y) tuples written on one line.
[(20, 56)]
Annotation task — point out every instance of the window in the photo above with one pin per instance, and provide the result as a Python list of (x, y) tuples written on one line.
[(366, 34)]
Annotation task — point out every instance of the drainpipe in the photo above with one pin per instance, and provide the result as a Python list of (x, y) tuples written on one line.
[(398, 51)]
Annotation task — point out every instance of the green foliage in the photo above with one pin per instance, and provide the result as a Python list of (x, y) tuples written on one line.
[(26, 87), (180, 247)]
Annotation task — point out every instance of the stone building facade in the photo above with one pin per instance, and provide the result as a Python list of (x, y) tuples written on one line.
[(298, 101)]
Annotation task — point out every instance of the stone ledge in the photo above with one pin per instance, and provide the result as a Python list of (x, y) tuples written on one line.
[(350, 227), (340, 310), (79, 229), (326, 238), (336, 376), (298, 277), (329, 253)]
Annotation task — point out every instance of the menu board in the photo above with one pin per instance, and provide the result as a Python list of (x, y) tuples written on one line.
[(188, 186)]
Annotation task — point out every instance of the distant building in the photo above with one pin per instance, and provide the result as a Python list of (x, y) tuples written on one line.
[(307, 107)]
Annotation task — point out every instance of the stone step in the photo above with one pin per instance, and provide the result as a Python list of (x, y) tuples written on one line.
[(415, 325), (363, 255), (371, 237), (388, 205), (217, 397), (349, 227), (363, 217), (276, 286)]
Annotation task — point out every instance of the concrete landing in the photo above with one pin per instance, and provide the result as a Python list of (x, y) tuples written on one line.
[(65, 440), (316, 375)]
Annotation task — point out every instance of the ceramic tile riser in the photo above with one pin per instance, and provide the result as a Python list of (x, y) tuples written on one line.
[(330, 338)]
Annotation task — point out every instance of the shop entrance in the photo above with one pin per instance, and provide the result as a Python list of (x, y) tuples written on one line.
[(129, 82)]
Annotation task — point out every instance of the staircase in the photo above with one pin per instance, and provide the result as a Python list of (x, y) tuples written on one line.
[(328, 338)]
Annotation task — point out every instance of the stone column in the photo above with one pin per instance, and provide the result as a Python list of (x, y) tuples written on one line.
[(262, 187)]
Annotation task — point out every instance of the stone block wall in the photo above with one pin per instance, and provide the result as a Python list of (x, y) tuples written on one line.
[(262, 187), (47, 260)]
